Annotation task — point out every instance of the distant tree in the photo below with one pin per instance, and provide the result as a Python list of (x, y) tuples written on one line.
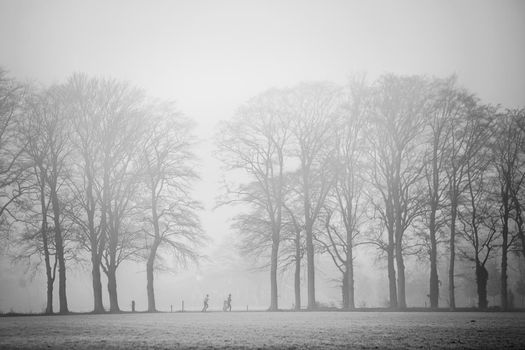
[(107, 117), (119, 135), (494, 282), (38, 238), (509, 157), (518, 185), (50, 134), (85, 107), (478, 213), (520, 289), (294, 245), (436, 156), (313, 108), (171, 220), (463, 142), (344, 215), (396, 123), (253, 145), (12, 164)]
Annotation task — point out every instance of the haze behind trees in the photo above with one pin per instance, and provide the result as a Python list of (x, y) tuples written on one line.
[(410, 165), (212, 58)]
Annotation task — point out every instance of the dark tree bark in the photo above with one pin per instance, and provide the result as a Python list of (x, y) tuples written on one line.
[(297, 274), (482, 277), (59, 244)]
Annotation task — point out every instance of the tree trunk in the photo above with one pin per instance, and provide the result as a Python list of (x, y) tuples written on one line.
[(98, 306), (482, 277), (451, 287), (150, 268), (344, 290), (349, 272), (434, 202), (401, 297), (434, 280), (310, 268), (273, 273), (44, 231), (59, 250), (391, 273), (112, 289), (504, 251), (297, 277)]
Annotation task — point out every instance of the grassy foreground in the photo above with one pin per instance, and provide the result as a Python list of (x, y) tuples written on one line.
[(359, 330)]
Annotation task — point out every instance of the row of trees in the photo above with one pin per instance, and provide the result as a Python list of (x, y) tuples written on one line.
[(408, 164), (92, 169)]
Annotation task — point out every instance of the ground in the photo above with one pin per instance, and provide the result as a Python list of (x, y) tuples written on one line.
[(359, 330)]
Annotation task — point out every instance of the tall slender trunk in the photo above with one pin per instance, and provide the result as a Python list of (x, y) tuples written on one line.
[(434, 280), (391, 271), (434, 198), (96, 241), (150, 268), (310, 265), (452, 261), (112, 289), (274, 306), (44, 231), (297, 276), (98, 307), (344, 290), (349, 273), (401, 296), (150, 265), (59, 242), (50, 277), (482, 277), (504, 251)]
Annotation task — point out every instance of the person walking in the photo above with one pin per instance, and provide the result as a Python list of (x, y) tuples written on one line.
[(229, 304), (206, 299)]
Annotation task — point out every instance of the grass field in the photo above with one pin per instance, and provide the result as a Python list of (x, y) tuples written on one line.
[(359, 330)]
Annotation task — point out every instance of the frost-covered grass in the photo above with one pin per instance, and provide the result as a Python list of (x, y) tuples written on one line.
[(266, 330)]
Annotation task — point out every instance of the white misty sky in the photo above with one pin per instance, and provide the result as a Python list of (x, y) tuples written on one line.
[(211, 56)]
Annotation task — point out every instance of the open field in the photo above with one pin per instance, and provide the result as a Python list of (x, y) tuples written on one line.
[(360, 330)]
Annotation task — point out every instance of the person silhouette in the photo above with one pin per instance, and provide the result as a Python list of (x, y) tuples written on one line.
[(206, 299), (229, 302)]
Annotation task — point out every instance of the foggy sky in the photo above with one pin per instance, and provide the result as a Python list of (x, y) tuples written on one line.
[(211, 56)]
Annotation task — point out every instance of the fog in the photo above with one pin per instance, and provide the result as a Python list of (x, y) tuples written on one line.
[(211, 57)]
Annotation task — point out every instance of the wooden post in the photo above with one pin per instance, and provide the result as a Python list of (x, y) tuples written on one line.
[(182, 309), (133, 306)]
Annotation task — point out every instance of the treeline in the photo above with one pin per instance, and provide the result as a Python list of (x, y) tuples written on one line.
[(408, 164), (94, 171)]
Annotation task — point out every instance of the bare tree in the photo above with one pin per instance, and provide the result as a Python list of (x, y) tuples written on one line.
[(121, 121), (167, 162), (313, 106), (397, 120), (12, 164), (293, 226), (253, 144), (439, 130), (345, 215), (50, 136), (106, 117), (85, 105), (508, 156), (518, 188), (463, 142), (478, 212), (38, 237)]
